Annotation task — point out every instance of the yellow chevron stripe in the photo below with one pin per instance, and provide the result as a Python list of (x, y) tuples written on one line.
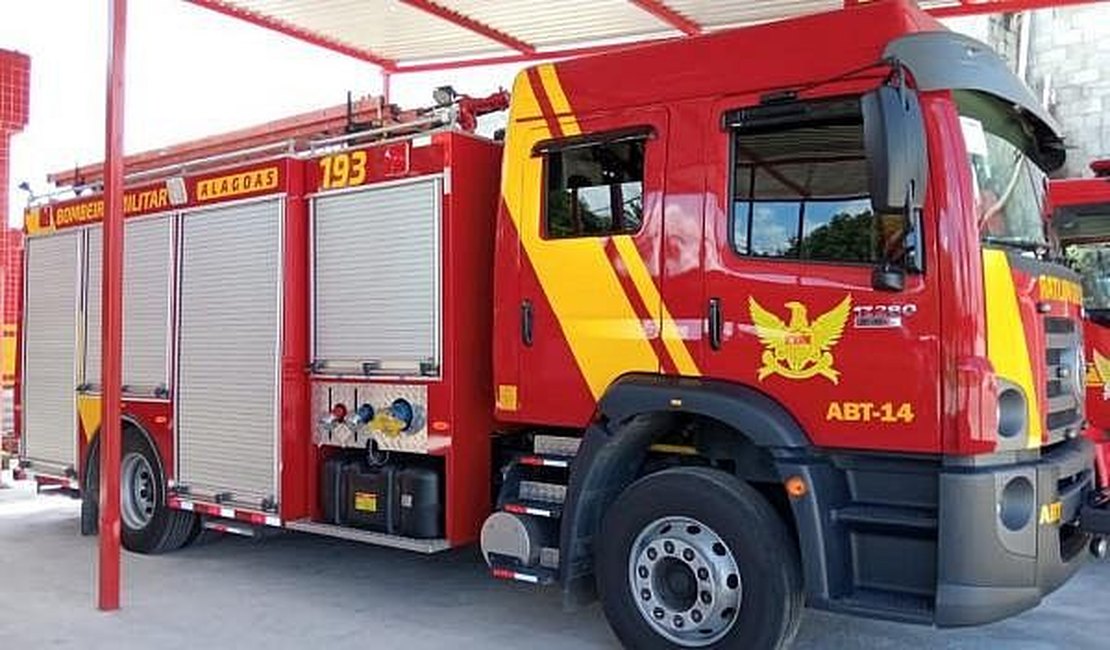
[(649, 293), (1006, 342), (598, 321), (558, 99)]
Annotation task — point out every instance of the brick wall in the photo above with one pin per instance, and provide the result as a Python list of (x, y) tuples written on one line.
[(1069, 65)]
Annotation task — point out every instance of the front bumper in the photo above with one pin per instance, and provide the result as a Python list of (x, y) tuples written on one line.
[(989, 572)]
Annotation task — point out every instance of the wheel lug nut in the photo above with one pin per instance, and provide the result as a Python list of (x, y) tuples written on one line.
[(645, 594), (679, 622), (642, 572), (688, 555), (652, 554), (668, 547), (695, 616), (658, 613), (703, 573), (706, 598)]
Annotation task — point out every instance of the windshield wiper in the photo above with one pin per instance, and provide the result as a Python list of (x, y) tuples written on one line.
[(1015, 242)]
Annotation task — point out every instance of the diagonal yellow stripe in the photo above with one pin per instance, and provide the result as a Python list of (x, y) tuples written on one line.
[(649, 293), (559, 103), (598, 321)]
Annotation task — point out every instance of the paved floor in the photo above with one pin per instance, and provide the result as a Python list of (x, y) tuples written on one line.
[(308, 593)]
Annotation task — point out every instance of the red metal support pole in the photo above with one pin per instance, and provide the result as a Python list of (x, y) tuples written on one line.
[(112, 323)]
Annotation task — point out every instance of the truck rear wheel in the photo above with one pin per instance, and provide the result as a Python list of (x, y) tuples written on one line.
[(694, 558), (147, 524)]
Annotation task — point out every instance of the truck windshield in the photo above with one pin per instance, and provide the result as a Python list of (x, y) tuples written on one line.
[(1009, 187), (1092, 262)]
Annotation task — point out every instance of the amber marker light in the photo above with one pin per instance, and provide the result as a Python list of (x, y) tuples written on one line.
[(796, 487)]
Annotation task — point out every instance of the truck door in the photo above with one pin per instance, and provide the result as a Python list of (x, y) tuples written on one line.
[(790, 307), (589, 287)]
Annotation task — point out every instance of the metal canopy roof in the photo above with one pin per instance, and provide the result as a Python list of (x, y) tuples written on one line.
[(415, 35)]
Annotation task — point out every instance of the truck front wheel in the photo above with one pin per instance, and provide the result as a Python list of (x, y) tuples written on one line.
[(694, 558)]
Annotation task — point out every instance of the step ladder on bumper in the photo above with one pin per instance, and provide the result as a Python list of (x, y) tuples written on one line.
[(521, 540)]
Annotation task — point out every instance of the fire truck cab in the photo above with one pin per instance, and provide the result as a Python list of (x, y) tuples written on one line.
[(1081, 226), (721, 327)]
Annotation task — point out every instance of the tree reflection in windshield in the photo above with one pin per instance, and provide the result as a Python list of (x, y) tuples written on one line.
[(1092, 262)]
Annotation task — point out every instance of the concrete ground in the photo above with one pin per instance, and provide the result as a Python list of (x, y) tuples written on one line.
[(303, 592)]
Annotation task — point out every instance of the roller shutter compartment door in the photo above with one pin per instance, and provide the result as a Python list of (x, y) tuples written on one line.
[(147, 263), (49, 401), (376, 267), (147, 259), (94, 266), (230, 305)]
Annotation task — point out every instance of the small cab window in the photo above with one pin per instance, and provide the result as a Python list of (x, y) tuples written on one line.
[(594, 188), (800, 188)]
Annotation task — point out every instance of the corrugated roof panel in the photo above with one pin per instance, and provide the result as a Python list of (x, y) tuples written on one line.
[(552, 23), (725, 13), (387, 28), (407, 33)]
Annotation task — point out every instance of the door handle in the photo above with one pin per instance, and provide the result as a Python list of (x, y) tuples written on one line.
[(716, 323), (526, 321)]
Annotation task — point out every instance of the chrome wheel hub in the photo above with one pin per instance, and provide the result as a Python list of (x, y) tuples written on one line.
[(138, 498), (685, 581)]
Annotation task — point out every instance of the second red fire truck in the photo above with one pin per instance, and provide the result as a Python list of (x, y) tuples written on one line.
[(1081, 224), (721, 327)]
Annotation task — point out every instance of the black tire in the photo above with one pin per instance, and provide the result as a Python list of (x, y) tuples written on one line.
[(765, 553), (167, 529)]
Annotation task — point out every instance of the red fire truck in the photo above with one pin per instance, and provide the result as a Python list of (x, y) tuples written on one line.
[(721, 327), (1081, 222)]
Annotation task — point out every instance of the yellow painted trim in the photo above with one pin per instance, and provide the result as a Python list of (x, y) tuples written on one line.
[(559, 103), (601, 328), (649, 294), (88, 409), (680, 450), (1007, 348)]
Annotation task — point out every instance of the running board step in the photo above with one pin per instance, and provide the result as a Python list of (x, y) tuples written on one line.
[(887, 517), (427, 546), (558, 446), (532, 575), (888, 605), (551, 493)]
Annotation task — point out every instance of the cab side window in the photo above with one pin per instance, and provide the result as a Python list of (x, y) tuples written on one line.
[(800, 188), (594, 189)]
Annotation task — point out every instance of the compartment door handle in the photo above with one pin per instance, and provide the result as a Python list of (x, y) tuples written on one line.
[(526, 322), (716, 323)]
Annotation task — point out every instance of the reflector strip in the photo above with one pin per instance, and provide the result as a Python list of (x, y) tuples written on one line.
[(518, 509), (509, 574), (540, 461), (254, 518)]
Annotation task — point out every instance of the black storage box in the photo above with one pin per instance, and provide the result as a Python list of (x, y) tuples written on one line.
[(371, 500), (333, 489), (421, 503)]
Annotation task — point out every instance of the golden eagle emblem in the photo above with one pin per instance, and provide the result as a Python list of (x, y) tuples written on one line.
[(1098, 374), (799, 349)]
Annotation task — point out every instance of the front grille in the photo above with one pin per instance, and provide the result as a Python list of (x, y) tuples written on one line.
[(1063, 381)]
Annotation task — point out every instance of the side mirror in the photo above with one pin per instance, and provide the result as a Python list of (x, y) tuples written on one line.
[(897, 170), (894, 140)]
